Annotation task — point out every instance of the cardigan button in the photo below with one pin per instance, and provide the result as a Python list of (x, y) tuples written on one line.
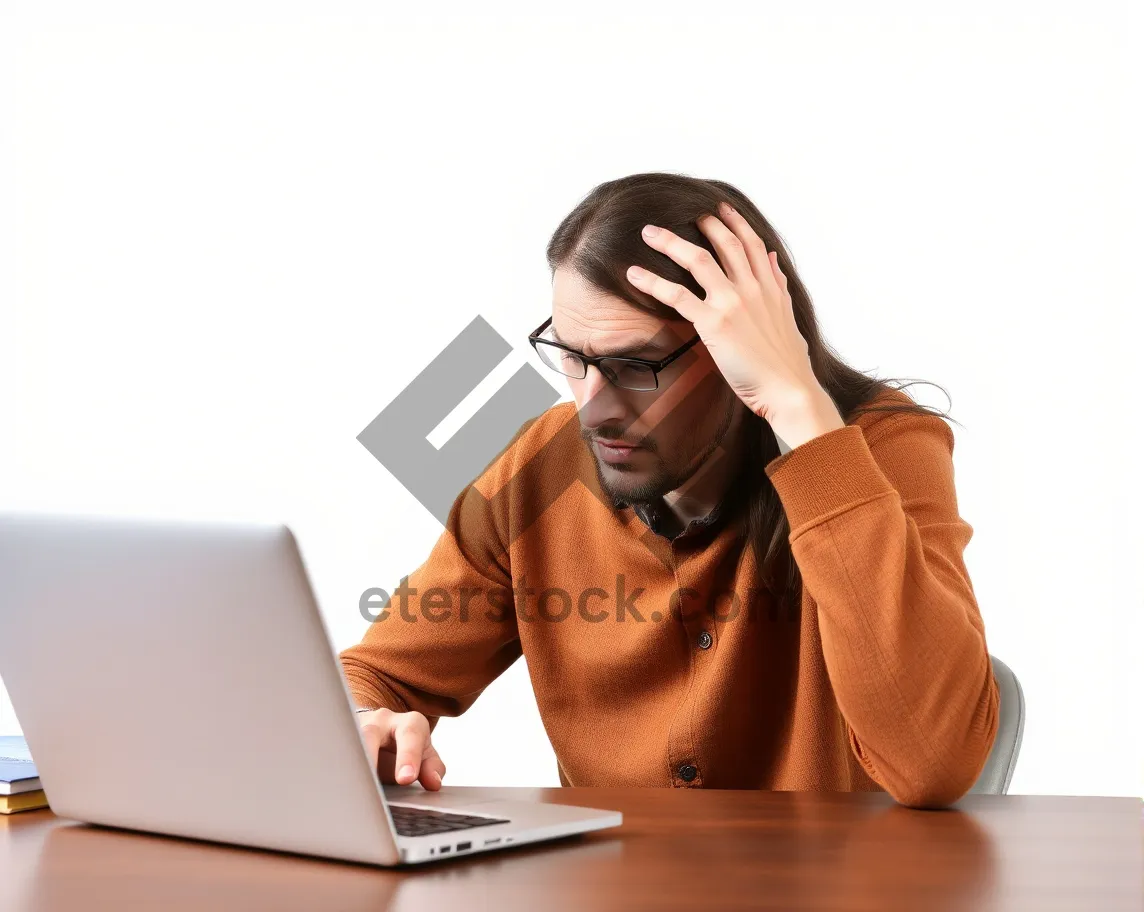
[(687, 772)]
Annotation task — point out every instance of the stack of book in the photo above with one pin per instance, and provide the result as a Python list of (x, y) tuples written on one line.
[(19, 782)]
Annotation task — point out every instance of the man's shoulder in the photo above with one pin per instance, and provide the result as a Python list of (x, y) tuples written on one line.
[(557, 425), (883, 415), (552, 437)]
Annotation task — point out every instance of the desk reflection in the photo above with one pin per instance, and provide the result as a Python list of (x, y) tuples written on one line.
[(93, 868), (904, 859)]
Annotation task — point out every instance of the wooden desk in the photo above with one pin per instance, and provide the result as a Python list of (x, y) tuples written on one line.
[(678, 849)]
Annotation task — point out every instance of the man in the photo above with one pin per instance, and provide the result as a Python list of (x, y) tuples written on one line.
[(623, 542)]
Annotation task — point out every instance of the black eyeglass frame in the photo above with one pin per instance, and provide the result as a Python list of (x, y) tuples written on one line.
[(654, 366)]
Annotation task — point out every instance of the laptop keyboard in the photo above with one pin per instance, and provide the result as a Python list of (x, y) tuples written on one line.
[(415, 821)]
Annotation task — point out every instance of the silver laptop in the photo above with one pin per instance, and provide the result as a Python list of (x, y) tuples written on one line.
[(178, 678)]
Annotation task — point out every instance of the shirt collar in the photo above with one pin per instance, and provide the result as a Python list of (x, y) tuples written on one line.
[(658, 517)]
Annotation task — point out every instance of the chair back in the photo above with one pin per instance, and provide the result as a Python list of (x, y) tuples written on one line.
[(998, 771)]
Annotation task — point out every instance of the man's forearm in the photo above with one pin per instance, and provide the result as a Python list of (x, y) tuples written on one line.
[(367, 690)]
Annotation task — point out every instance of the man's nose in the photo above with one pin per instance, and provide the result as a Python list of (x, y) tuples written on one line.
[(599, 400)]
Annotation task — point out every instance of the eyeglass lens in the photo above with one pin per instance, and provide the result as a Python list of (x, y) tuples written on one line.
[(624, 374)]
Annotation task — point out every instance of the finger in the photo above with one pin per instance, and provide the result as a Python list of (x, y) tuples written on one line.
[(780, 276), (410, 734), (697, 260), (670, 293), (373, 737), (732, 253), (376, 732), (432, 769), (387, 765), (753, 246), (781, 279)]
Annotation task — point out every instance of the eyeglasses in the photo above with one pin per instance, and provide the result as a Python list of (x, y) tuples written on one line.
[(626, 373)]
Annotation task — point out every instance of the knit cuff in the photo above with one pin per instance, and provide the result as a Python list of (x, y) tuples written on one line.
[(826, 475)]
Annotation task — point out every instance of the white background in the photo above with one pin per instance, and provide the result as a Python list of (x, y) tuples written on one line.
[(229, 236)]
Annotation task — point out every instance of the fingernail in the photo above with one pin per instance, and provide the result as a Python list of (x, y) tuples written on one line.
[(635, 272), (650, 231), (406, 770)]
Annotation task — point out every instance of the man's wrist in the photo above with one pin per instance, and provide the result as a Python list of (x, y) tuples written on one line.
[(806, 414)]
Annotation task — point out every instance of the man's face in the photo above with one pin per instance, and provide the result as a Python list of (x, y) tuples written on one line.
[(677, 427)]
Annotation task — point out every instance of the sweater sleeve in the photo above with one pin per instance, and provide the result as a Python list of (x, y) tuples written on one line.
[(877, 537), (449, 629)]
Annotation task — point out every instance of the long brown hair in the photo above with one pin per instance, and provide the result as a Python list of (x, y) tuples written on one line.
[(600, 239)]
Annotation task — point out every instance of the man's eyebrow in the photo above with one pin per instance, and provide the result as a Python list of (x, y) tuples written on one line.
[(646, 345)]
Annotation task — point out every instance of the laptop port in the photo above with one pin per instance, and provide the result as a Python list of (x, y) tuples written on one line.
[(492, 841), (461, 846), (445, 849)]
